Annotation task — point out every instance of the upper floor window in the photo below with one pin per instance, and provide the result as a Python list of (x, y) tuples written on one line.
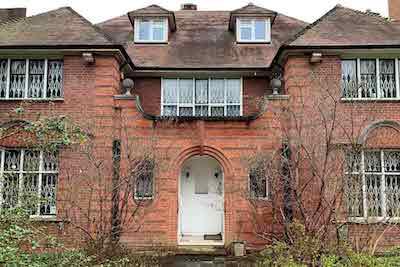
[(370, 79), (151, 30), (31, 79), (253, 30), (373, 184), (201, 97), (29, 178)]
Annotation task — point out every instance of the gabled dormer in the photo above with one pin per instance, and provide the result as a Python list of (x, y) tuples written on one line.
[(252, 24), (152, 24)]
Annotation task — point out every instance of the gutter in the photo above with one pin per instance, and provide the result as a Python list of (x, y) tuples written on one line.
[(285, 49), (88, 48), (156, 118)]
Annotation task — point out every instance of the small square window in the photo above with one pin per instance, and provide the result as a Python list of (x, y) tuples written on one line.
[(151, 30), (253, 30)]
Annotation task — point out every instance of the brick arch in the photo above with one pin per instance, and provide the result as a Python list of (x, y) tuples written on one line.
[(14, 134), (206, 151), (381, 134)]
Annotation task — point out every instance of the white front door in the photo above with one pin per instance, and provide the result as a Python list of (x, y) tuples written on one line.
[(201, 197)]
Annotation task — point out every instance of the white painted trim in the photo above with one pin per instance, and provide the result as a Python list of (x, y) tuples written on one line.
[(209, 105), (239, 38), (151, 40), (45, 82), (46, 69), (2, 158), (8, 78), (179, 227), (378, 83)]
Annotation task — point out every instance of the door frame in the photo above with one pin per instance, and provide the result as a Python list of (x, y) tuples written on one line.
[(204, 243)]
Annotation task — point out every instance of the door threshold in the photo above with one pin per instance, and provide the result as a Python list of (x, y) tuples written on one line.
[(198, 240)]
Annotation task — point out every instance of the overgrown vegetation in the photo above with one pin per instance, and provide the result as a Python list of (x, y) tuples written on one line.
[(303, 249)]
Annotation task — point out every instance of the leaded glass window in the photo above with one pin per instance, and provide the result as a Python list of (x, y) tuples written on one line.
[(349, 78), (31, 79), (387, 78), (372, 186), (29, 178), (202, 97), (17, 79), (144, 179), (258, 183), (370, 78)]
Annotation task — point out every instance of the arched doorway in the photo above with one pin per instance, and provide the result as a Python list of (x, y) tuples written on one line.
[(201, 202)]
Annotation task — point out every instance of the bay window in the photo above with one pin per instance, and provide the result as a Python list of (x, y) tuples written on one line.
[(201, 97), (31, 79), (29, 178), (372, 187), (370, 79)]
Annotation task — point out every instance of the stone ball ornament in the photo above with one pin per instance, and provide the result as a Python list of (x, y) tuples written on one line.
[(276, 85), (128, 84)]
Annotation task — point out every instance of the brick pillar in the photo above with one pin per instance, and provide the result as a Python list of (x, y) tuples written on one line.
[(394, 9)]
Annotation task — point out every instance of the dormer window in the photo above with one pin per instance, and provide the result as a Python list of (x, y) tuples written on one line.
[(253, 30), (151, 30)]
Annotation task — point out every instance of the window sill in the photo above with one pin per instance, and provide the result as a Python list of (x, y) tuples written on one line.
[(46, 219), (253, 42), (371, 220), (33, 99), (150, 42), (370, 99)]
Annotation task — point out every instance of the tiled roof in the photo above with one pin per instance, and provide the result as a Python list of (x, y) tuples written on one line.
[(202, 40), (152, 9), (252, 9), (62, 26), (347, 27)]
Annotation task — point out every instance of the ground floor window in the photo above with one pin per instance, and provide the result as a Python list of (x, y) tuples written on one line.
[(373, 184), (29, 178), (258, 183), (144, 176)]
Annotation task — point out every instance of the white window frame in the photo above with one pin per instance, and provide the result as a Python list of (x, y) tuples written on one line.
[(253, 30), (151, 20), (358, 71), (373, 219), (20, 173), (209, 105), (45, 81)]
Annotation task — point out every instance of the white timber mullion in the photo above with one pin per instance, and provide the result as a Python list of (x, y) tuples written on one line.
[(364, 186), (194, 96), (46, 67), (378, 82), (178, 89), (383, 186), (225, 96), (26, 78), (209, 98), (41, 162), (21, 177), (8, 78), (396, 70), (359, 82), (2, 159)]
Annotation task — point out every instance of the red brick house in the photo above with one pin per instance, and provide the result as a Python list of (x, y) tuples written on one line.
[(193, 80)]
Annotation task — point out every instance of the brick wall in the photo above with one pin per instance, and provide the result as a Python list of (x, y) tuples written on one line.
[(316, 101)]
